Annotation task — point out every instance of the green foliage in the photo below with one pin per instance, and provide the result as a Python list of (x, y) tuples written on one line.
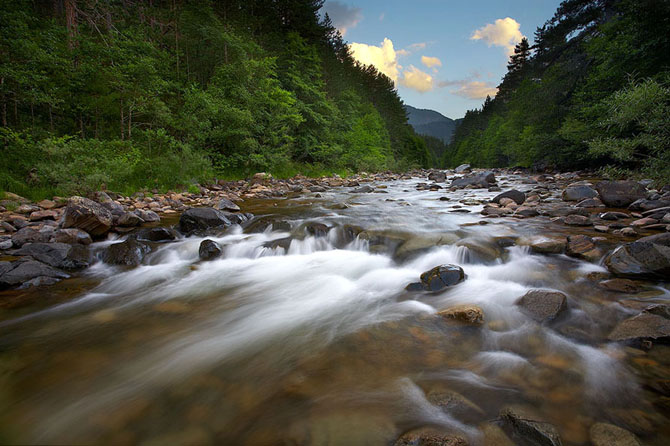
[(570, 103), (153, 95)]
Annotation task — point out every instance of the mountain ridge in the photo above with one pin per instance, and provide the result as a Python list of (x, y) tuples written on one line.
[(431, 123)]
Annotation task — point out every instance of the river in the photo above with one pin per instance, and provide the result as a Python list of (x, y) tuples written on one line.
[(313, 340)]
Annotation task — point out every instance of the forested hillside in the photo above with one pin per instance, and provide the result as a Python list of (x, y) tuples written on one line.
[(130, 94), (592, 91), (432, 123)]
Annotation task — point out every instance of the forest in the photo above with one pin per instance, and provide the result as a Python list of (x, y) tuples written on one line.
[(129, 94), (593, 91)]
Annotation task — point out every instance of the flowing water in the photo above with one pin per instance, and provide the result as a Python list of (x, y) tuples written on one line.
[(314, 341)]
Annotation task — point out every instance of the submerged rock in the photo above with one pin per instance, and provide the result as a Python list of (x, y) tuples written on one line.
[(605, 434), (620, 194), (363, 190), (429, 437), (209, 250), (129, 252), (529, 428), (87, 215), (543, 305), (648, 256), (470, 314)]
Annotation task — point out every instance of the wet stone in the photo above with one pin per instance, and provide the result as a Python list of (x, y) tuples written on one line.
[(528, 427), (441, 277), (620, 193), (225, 204), (209, 250), (643, 326), (87, 215), (429, 437), (130, 252), (604, 434), (577, 220), (157, 234), (578, 193), (648, 256), (22, 271), (470, 314), (58, 255), (582, 247), (620, 286), (513, 194), (542, 305)]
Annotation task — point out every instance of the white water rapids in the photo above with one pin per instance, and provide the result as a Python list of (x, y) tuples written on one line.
[(316, 344)]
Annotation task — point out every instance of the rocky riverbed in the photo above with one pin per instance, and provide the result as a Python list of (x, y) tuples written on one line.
[(434, 307)]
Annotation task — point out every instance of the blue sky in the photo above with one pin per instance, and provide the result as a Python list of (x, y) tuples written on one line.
[(443, 55)]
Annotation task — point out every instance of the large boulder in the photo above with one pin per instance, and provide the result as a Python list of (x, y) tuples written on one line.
[(129, 219), (129, 253), (646, 325), (620, 194), (648, 256), (578, 193), (583, 247), (22, 271), (58, 255), (201, 219), (71, 235), (157, 234), (209, 250), (438, 278), (477, 180), (542, 305), (518, 196), (87, 215)]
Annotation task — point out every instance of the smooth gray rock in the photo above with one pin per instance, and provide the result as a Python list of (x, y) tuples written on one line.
[(645, 257), (129, 253), (518, 196), (543, 305), (620, 194), (24, 270), (58, 255), (201, 219), (225, 204), (209, 250), (578, 193)]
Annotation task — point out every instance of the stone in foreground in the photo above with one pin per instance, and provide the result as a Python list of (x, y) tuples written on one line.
[(543, 305), (525, 426), (129, 253), (605, 434), (470, 314), (643, 326)]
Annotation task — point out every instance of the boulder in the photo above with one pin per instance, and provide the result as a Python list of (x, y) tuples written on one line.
[(529, 428), (58, 255), (605, 434), (316, 229), (645, 325), (441, 276), (363, 190), (85, 214), (620, 194), (71, 235), (43, 215), (225, 204), (31, 235), (437, 176), (620, 286), (645, 257), (578, 193), (648, 205), (470, 314), (547, 246), (201, 219), (542, 305), (148, 216), (577, 220), (22, 271), (129, 219), (513, 194), (477, 180), (583, 247), (157, 234), (129, 252), (209, 250), (462, 168), (590, 203)]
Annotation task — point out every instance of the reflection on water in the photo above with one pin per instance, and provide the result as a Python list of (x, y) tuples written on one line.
[(315, 341)]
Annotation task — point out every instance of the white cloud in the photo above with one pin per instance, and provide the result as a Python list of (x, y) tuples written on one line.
[(417, 46), (417, 80), (472, 89), (343, 16), (431, 62), (503, 32), (402, 52), (383, 57)]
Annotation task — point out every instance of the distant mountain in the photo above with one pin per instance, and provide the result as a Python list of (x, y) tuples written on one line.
[(432, 123)]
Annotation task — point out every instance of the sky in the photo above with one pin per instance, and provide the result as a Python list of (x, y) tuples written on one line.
[(443, 55)]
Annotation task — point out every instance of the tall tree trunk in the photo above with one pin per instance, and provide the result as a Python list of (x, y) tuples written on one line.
[(4, 105), (71, 22), (130, 122), (122, 127), (51, 118)]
